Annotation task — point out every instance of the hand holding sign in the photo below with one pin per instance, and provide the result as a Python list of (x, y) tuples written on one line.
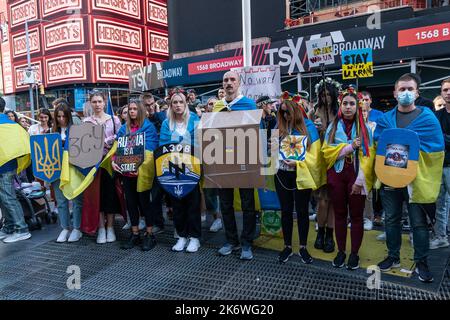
[(130, 152)]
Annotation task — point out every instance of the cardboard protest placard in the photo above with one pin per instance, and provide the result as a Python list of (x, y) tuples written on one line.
[(86, 143), (357, 64), (258, 81), (177, 170), (232, 149), (293, 147), (320, 51), (130, 152), (397, 157), (46, 156)]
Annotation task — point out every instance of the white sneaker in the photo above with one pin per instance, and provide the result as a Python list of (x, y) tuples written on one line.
[(127, 226), (142, 224), (101, 236), (17, 237), (368, 224), (110, 235), (381, 237), (75, 235), (216, 225), (3, 235), (439, 242), (317, 227), (193, 246), (180, 245), (63, 236), (312, 217)]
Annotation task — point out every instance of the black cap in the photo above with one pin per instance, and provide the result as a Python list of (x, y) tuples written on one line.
[(264, 100)]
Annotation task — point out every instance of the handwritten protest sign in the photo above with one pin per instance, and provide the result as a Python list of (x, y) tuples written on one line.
[(320, 51), (258, 81), (86, 143), (130, 152), (357, 63)]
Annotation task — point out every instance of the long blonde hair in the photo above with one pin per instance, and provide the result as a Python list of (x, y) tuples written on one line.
[(171, 114)]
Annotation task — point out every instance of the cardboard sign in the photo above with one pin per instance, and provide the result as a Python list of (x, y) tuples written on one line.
[(177, 169), (397, 157), (231, 149), (86, 143), (293, 148), (258, 81), (357, 64), (46, 156), (320, 51), (130, 152)]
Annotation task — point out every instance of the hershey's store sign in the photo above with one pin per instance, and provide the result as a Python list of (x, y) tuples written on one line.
[(156, 13), (19, 43), (69, 32), (113, 68), (62, 69), (22, 11), (130, 8), (117, 35)]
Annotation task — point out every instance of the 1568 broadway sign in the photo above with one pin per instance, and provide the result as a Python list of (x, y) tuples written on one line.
[(117, 35), (68, 32)]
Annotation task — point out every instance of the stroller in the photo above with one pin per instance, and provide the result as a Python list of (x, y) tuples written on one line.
[(34, 202)]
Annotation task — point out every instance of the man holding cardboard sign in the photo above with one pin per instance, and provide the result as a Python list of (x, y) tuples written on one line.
[(424, 188), (234, 101)]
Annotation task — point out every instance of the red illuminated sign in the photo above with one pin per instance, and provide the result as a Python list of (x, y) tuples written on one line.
[(129, 8), (428, 34), (53, 6), (118, 35), (67, 32), (111, 68), (66, 68), (215, 65), (22, 11), (19, 43), (158, 42), (156, 13), (19, 72)]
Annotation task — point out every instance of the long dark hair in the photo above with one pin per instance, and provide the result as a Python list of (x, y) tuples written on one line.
[(296, 121), (49, 114), (16, 119), (339, 116), (322, 101), (64, 107)]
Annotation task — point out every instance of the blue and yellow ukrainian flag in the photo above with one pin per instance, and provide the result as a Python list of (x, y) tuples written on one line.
[(146, 171), (425, 188), (15, 144)]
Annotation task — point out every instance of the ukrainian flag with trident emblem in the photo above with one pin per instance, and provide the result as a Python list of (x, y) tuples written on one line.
[(15, 144), (46, 155)]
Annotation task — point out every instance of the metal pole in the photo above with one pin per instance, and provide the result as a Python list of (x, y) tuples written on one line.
[(247, 32), (299, 82), (413, 65), (30, 89)]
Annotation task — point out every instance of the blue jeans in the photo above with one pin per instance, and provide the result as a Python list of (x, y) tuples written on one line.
[(211, 200), (10, 206), (63, 208), (440, 227), (392, 200)]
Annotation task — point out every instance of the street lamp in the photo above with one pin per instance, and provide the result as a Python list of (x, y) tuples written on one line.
[(27, 40)]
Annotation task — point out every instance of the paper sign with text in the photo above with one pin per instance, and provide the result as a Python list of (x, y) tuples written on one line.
[(357, 64)]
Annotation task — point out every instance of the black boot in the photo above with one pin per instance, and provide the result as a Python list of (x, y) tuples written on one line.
[(149, 242), (329, 241), (134, 240), (320, 240)]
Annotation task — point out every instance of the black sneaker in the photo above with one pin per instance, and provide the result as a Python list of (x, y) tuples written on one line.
[(353, 262), (329, 245), (285, 254), (389, 263), (339, 261), (149, 242), (304, 254), (320, 240), (134, 240), (423, 271)]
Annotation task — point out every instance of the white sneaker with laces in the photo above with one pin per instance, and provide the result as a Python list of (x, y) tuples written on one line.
[(101, 236), (381, 237), (110, 235), (193, 246), (75, 235), (63, 236), (142, 224), (312, 217), (17, 237), (180, 245), (439, 242), (216, 225), (368, 224)]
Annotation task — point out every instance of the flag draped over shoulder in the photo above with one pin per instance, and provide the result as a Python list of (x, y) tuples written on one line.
[(331, 152), (425, 188), (15, 144), (146, 171), (311, 173), (75, 180)]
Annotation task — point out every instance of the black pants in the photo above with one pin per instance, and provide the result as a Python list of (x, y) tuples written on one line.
[(138, 203), (287, 198), (376, 203), (109, 200), (187, 214), (156, 203), (226, 197)]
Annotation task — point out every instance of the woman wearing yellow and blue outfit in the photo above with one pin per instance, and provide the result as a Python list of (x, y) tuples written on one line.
[(349, 155), (296, 179), (179, 127)]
